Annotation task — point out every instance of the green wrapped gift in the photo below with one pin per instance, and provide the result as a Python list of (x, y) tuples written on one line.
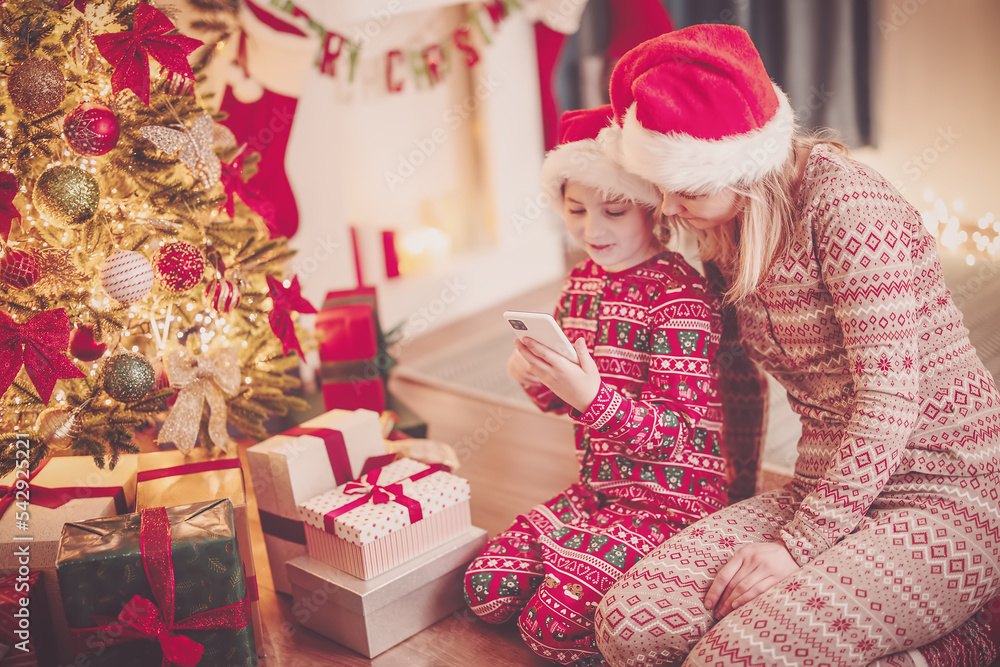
[(162, 586)]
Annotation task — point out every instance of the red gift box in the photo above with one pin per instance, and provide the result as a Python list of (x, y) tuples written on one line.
[(347, 332), (25, 638)]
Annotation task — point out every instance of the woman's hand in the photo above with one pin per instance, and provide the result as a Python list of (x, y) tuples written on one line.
[(520, 371), (576, 385), (751, 571)]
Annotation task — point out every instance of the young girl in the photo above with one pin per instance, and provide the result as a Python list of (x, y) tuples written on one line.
[(887, 538), (644, 399)]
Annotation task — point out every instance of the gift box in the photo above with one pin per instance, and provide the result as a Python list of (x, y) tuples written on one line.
[(161, 581), (303, 462), (170, 478), (374, 615), (25, 641), (63, 489), (352, 365), (386, 517)]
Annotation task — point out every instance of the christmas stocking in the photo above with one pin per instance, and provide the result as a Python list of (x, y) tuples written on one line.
[(273, 57)]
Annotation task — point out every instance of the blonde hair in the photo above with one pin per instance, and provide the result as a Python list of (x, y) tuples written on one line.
[(745, 250)]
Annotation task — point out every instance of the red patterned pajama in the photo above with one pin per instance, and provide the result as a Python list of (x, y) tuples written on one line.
[(921, 562), (553, 565)]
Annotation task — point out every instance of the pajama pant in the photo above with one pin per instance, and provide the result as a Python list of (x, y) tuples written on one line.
[(553, 565), (920, 563)]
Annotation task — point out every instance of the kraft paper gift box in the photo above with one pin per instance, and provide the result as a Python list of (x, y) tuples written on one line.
[(25, 639), (163, 579), (63, 489), (314, 457), (170, 478), (386, 517), (374, 615)]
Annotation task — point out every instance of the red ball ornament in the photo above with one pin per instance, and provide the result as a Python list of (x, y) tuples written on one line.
[(222, 295), (19, 268), (83, 346), (179, 266), (91, 129)]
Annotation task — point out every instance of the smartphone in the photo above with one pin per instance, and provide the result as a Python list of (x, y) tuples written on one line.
[(543, 328)]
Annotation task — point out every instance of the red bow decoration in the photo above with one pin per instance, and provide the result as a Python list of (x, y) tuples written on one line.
[(39, 345), (232, 180), (144, 619), (370, 491), (286, 300), (129, 51), (8, 212), (8, 494), (81, 5)]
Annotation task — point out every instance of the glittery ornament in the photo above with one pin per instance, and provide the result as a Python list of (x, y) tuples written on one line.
[(59, 272), (222, 295), (91, 129), (179, 266), (84, 346), (37, 86), (57, 427), (19, 268), (66, 195), (193, 146), (127, 276), (128, 377)]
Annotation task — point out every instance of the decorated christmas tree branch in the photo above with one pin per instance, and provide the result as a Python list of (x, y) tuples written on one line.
[(138, 272)]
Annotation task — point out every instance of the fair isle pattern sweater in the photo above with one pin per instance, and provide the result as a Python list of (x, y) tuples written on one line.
[(856, 323), (651, 437)]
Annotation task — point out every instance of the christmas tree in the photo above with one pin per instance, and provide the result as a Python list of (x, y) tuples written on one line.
[(138, 283)]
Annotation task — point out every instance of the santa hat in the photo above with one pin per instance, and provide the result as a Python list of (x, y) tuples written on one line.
[(589, 153), (699, 112)]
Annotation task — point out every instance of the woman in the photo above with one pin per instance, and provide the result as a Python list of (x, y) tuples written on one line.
[(887, 538)]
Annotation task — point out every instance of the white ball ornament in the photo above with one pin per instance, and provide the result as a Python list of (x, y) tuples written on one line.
[(127, 276)]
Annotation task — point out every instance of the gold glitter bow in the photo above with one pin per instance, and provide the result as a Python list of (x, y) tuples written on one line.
[(200, 380)]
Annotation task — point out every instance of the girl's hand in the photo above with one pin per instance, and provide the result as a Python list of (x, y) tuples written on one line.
[(520, 371), (576, 385), (751, 571)]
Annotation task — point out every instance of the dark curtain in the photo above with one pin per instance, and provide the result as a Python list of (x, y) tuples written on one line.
[(818, 51)]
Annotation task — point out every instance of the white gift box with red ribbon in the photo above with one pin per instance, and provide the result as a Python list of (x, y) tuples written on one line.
[(386, 517)]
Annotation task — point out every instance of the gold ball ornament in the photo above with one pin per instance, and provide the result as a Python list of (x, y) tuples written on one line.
[(57, 427), (128, 377), (66, 195), (37, 86)]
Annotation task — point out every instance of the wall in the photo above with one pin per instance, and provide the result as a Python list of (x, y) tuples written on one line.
[(937, 103)]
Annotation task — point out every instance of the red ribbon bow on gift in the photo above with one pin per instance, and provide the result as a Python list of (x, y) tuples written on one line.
[(38, 345), (286, 300), (368, 488), (129, 51), (144, 619), (8, 212), (8, 494)]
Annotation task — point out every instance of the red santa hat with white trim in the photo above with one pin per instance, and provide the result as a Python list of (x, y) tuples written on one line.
[(699, 112), (589, 152)]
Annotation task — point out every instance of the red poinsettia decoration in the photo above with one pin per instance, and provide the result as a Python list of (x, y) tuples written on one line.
[(232, 180), (286, 300), (8, 212), (129, 51), (81, 5), (39, 345)]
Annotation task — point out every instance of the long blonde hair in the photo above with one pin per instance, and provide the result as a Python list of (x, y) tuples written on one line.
[(746, 249)]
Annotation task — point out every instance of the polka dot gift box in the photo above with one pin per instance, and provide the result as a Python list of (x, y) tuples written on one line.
[(386, 517)]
